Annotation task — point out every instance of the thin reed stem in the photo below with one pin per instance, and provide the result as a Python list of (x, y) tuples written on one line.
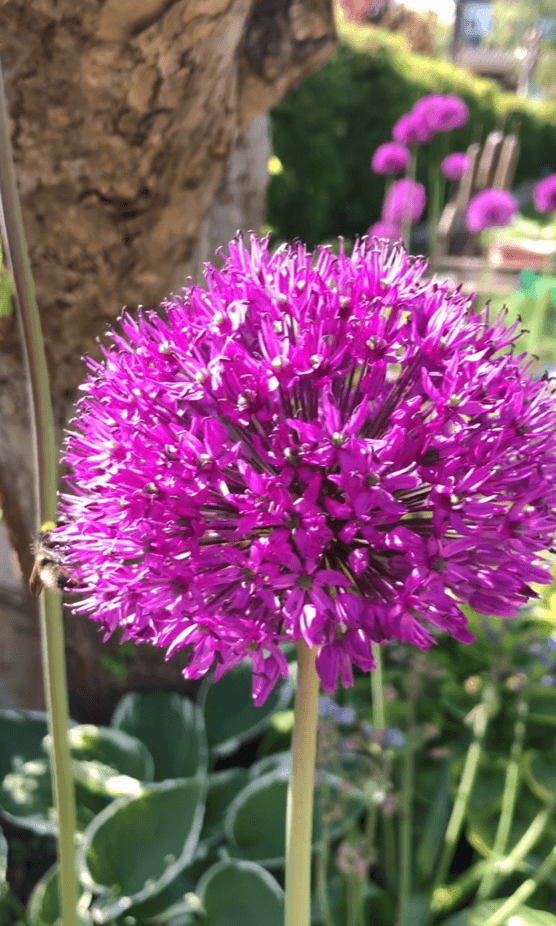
[(45, 465), (511, 787), (299, 823)]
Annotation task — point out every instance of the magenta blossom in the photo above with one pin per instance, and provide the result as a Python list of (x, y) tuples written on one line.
[(411, 130), (455, 165), (388, 230), (390, 158), (544, 194), (404, 202), (490, 208), (356, 9), (441, 112), (315, 447)]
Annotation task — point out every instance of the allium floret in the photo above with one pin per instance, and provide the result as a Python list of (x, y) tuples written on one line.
[(490, 209), (315, 446), (404, 202), (390, 158), (544, 194), (455, 165)]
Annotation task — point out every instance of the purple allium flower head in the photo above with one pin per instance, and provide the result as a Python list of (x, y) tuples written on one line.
[(441, 112), (455, 165), (490, 208), (404, 202), (390, 158), (315, 447), (388, 230), (355, 9), (411, 130), (544, 194)]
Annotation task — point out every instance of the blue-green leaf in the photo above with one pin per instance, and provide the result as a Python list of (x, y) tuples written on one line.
[(136, 847), (237, 893), (171, 727), (230, 714), (111, 747)]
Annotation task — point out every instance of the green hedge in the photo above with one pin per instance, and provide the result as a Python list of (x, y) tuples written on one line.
[(326, 130)]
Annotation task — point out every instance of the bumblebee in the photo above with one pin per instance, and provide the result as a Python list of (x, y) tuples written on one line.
[(48, 571)]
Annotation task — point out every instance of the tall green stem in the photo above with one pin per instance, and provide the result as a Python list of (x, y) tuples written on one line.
[(511, 785), (299, 816), (44, 453), (410, 173), (455, 824), (406, 828), (523, 892), (377, 689)]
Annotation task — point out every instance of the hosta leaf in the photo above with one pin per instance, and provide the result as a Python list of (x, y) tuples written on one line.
[(230, 714), (21, 736), (170, 726), (136, 847), (255, 821), (237, 893), (119, 750)]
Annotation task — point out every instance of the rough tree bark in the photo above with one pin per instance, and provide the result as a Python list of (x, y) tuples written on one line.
[(133, 126)]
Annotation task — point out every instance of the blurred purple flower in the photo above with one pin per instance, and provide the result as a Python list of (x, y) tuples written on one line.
[(314, 447), (389, 230), (455, 165), (411, 130), (356, 9), (390, 158), (490, 208), (545, 194), (441, 112), (404, 202)]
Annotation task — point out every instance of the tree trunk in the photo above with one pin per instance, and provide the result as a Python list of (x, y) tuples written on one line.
[(140, 141)]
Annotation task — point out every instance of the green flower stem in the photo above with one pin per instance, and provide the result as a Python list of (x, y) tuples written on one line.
[(523, 892), (44, 453), (377, 689), (531, 836), (406, 827), (410, 174), (390, 852), (437, 189), (511, 786), (455, 823), (322, 871), (299, 822)]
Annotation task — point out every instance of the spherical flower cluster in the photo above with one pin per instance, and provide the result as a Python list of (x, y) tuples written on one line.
[(490, 208), (355, 9), (544, 194), (390, 158), (431, 114), (455, 165), (388, 230), (315, 447), (411, 130), (404, 202), (441, 112)]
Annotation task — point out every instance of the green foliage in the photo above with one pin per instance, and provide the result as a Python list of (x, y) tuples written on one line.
[(475, 820), (326, 130)]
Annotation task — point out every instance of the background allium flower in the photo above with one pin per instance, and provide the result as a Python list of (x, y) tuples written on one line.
[(355, 9), (490, 208), (455, 165), (390, 158), (404, 202), (317, 446), (389, 230), (441, 112), (411, 130), (544, 194)]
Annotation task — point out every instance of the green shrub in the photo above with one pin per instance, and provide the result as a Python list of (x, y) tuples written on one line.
[(326, 130)]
